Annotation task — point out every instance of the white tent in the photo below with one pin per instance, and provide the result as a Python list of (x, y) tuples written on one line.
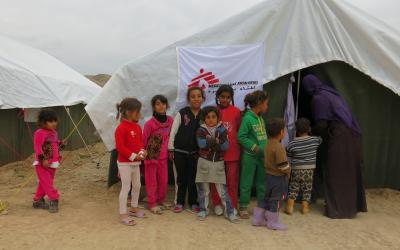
[(30, 78), (297, 34)]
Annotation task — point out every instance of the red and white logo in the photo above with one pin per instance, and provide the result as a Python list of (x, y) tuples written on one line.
[(203, 80)]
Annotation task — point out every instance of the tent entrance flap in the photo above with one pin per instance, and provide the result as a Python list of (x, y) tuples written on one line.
[(374, 106)]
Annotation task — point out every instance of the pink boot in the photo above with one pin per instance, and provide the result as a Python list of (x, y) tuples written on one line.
[(273, 221), (258, 217)]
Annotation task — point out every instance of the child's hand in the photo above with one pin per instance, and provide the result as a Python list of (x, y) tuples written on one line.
[(63, 143), (45, 163), (171, 155), (141, 155), (144, 153)]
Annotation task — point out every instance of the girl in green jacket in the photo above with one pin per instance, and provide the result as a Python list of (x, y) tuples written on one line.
[(253, 138)]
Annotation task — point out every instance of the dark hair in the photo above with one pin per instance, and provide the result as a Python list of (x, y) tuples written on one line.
[(255, 98), (193, 89), (128, 104), (46, 115), (160, 98), (224, 88), (275, 126), (206, 110), (302, 126)]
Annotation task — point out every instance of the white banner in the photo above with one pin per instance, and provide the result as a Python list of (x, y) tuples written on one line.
[(240, 66)]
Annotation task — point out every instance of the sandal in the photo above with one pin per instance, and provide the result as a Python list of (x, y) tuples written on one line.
[(165, 206), (156, 210), (243, 213), (137, 214), (128, 221)]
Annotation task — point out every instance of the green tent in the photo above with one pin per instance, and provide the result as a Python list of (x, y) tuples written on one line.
[(15, 135)]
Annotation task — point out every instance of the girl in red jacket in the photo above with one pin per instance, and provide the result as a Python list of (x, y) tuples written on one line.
[(231, 119), (129, 145)]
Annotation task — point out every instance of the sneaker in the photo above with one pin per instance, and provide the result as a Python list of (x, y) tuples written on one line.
[(195, 209), (40, 204), (178, 208), (202, 215), (218, 210), (233, 218)]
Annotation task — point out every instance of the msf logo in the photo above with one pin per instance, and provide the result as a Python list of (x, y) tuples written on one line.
[(203, 80)]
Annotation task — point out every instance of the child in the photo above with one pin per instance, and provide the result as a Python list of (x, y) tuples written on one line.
[(252, 137), (129, 144), (155, 139), (47, 160), (183, 149), (212, 139), (231, 118), (302, 152), (277, 171)]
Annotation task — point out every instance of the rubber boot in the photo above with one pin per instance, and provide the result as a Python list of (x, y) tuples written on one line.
[(289, 206), (273, 221), (258, 217), (306, 207)]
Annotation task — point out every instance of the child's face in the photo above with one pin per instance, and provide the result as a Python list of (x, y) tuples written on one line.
[(160, 108), (211, 119), (264, 106), (50, 125), (195, 99), (225, 99), (133, 116)]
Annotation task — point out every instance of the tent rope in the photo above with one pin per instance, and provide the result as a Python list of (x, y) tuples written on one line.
[(80, 135), (11, 148), (75, 127)]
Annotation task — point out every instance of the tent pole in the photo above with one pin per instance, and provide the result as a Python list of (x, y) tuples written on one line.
[(297, 94), (79, 133)]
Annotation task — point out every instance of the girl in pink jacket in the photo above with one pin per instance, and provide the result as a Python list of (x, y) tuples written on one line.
[(47, 160), (155, 139)]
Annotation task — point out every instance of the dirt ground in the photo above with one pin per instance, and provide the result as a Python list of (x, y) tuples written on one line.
[(88, 218)]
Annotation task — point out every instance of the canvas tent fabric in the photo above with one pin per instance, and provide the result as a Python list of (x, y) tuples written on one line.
[(297, 35), (30, 78)]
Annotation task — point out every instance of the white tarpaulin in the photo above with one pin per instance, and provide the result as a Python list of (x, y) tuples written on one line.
[(208, 67), (297, 34), (30, 78)]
